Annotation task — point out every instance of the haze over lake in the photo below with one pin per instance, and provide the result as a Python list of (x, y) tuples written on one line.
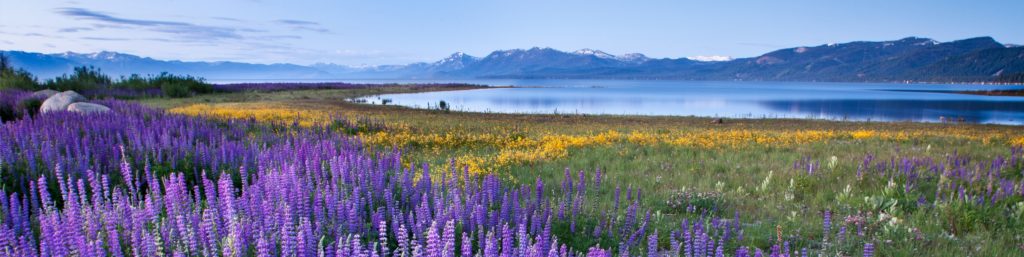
[(834, 101)]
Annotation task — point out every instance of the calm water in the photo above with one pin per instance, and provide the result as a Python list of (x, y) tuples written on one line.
[(837, 101)]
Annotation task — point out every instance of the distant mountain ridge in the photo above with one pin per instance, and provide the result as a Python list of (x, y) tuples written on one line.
[(980, 59)]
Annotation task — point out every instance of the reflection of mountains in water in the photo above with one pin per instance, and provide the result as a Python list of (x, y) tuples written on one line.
[(900, 110)]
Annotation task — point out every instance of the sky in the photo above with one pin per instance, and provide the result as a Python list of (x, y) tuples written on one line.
[(399, 32)]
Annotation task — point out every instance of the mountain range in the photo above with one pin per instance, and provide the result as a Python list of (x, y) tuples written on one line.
[(911, 59)]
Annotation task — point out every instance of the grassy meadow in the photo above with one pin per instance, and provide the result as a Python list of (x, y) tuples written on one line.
[(826, 186)]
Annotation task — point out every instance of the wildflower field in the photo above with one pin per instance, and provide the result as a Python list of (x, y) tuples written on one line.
[(303, 173)]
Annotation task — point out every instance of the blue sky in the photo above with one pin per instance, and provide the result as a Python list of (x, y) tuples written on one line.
[(398, 32)]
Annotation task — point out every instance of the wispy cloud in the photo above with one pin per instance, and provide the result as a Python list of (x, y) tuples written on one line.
[(74, 29), (226, 19), (182, 29), (303, 25), (298, 22), (107, 38)]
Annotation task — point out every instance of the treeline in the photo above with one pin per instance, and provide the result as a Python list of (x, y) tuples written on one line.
[(91, 82)]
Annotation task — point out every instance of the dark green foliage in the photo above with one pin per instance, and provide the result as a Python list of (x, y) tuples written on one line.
[(31, 105), (180, 86), (93, 83), (11, 78), (82, 79), (135, 81), (443, 106), (15, 104), (7, 113), (171, 85), (174, 90)]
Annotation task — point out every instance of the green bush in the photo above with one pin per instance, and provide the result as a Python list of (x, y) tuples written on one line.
[(135, 82), (7, 113), (11, 78), (31, 105), (176, 86), (14, 108), (175, 90), (82, 79)]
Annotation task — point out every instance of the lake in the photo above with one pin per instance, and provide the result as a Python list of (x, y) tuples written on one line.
[(804, 100)]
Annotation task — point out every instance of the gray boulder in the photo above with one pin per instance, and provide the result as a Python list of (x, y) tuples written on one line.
[(45, 93), (87, 108), (61, 101)]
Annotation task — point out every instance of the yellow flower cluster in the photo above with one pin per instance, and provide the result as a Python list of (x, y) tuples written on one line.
[(1019, 141), (486, 152), (260, 112)]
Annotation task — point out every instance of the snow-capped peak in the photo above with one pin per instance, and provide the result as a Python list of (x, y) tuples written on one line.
[(456, 57), (632, 57), (102, 55), (509, 52), (457, 60), (596, 53), (710, 58)]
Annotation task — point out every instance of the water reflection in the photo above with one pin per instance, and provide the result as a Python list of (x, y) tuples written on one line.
[(840, 101), (904, 110)]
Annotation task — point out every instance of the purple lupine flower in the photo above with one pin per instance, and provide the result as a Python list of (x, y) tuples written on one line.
[(467, 245), (869, 249), (262, 247), (491, 246), (785, 248), (742, 252), (652, 244), (720, 250), (433, 241), (403, 241), (827, 224), (382, 236), (448, 239)]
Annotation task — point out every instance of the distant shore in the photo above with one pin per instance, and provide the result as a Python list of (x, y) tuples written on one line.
[(1012, 92)]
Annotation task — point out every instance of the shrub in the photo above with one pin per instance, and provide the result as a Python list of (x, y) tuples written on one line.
[(175, 90), (191, 84), (31, 105), (7, 113), (82, 79), (443, 106), (15, 104), (11, 78)]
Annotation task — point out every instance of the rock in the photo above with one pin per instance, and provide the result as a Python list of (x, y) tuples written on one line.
[(87, 108), (45, 93), (60, 101), (717, 121)]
